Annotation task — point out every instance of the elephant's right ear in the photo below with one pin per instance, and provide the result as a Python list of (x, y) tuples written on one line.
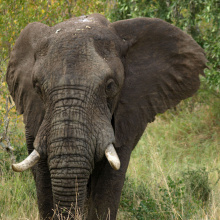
[(19, 75), (162, 66)]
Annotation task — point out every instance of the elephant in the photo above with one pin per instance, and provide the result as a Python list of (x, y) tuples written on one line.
[(87, 88)]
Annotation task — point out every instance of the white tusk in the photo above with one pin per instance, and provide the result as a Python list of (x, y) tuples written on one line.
[(112, 157), (29, 162)]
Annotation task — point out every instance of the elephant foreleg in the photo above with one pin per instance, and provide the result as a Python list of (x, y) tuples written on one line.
[(43, 183), (106, 187)]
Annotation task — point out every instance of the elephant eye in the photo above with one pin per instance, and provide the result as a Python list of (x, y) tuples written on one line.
[(37, 88), (111, 91), (111, 88)]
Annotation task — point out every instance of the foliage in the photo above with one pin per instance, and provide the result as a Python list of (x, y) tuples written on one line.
[(179, 198), (199, 18), (169, 202), (137, 201), (17, 14), (198, 184)]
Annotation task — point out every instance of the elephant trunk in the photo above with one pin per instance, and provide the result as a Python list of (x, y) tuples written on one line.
[(69, 192), (70, 157)]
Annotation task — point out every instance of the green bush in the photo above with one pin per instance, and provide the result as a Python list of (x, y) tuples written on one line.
[(181, 198), (197, 182)]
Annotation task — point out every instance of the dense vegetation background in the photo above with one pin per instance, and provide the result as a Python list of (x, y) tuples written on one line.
[(175, 169)]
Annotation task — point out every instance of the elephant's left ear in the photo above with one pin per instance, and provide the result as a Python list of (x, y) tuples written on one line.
[(162, 67)]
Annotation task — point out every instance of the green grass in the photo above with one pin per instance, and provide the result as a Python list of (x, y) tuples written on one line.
[(17, 196), (174, 171)]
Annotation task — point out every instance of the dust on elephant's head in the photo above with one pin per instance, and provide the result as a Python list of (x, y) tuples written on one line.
[(87, 89)]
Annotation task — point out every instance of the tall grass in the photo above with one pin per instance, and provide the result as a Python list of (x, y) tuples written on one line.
[(17, 196), (174, 171)]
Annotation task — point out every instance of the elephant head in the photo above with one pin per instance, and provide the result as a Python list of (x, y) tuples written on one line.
[(87, 89)]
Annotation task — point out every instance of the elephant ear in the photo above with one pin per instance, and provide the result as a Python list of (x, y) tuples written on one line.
[(19, 76), (162, 67)]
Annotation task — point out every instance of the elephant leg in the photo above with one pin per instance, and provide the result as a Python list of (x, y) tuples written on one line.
[(44, 190), (106, 187), (43, 183)]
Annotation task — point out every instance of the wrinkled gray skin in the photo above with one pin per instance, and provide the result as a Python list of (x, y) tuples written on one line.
[(86, 83)]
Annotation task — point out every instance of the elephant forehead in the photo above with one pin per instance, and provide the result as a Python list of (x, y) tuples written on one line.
[(85, 61), (79, 59), (77, 39), (84, 53)]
